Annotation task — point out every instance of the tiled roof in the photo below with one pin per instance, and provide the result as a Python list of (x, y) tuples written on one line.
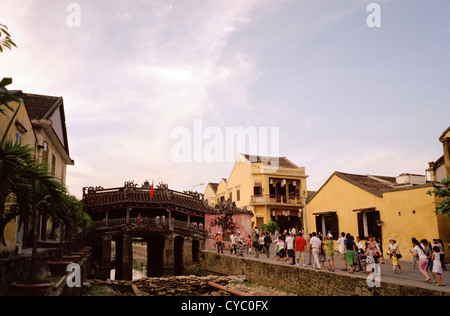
[(40, 106), (100, 198), (213, 186), (369, 183), (376, 185)]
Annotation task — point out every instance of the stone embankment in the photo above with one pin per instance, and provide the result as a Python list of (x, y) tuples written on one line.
[(183, 286)]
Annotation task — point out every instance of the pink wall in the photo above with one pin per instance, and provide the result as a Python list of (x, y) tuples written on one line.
[(227, 224)]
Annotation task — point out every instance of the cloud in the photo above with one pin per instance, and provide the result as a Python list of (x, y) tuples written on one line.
[(132, 72)]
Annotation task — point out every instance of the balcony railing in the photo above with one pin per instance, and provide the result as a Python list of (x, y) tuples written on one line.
[(152, 223), (276, 199)]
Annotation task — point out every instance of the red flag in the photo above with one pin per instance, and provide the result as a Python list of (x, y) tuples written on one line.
[(152, 192)]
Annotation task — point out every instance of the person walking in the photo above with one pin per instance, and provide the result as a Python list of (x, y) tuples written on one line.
[(315, 244), (423, 259), (232, 243), (438, 243), (415, 256), (329, 246), (255, 244), (300, 244), (249, 245), (395, 249), (437, 267), (349, 251), (359, 254), (290, 248), (281, 249), (322, 256), (267, 243), (308, 249), (341, 243)]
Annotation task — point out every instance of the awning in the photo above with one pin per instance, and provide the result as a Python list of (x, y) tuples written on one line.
[(325, 213), (362, 210)]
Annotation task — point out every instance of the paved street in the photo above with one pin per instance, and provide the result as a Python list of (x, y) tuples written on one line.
[(409, 276)]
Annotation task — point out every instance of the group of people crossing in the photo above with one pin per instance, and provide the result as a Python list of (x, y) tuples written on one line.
[(354, 254)]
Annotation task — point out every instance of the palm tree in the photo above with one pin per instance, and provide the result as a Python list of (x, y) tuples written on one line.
[(16, 165), (28, 190), (44, 197)]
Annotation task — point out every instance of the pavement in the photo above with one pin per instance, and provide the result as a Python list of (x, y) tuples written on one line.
[(409, 275)]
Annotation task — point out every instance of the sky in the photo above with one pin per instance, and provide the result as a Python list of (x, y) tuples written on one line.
[(151, 87)]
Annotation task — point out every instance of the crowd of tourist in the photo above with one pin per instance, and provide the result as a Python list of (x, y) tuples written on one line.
[(354, 255)]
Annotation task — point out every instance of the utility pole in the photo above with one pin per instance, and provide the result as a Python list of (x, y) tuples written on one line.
[(305, 221)]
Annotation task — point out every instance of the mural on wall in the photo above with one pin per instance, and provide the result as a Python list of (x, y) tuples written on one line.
[(227, 220), (224, 223)]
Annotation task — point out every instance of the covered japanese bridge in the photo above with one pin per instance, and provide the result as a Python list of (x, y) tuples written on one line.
[(170, 222)]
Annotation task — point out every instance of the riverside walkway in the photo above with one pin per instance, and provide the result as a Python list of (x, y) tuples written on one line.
[(409, 275)]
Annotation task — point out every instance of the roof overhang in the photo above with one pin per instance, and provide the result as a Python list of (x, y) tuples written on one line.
[(47, 126)]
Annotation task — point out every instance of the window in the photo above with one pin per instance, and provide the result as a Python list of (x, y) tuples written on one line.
[(328, 222), (238, 195), (291, 189), (369, 224), (18, 138), (45, 152), (257, 189)]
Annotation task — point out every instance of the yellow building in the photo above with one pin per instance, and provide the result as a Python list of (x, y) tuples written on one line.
[(210, 193), (440, 168), (384, 207), (21, 132), (41, 124), (273, 188)]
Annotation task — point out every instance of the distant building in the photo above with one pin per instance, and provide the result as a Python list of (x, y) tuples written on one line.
[(273, 188), (440, 168), (210, 193)]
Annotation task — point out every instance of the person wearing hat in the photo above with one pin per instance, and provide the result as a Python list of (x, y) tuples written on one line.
[(395, 249)]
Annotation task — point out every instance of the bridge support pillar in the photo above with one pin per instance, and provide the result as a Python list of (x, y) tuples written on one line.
[(169, 255), (105, 261), (127, 257), (187, 252)]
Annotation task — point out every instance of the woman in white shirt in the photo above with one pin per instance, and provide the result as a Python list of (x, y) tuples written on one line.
[(423, 260)]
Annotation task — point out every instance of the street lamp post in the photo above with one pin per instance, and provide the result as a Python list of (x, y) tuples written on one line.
[(197, 185)]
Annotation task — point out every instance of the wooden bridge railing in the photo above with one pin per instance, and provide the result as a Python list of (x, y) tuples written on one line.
[(155, 223)]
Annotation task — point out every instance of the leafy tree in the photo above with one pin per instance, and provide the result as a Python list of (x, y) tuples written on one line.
[(5, 39), (271, 227), (444, 193)]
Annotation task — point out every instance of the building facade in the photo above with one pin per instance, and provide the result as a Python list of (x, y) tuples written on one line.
[(382, 207), (20, 132), (40, 123), (272, 188)]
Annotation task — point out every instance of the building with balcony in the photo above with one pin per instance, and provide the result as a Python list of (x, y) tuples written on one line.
[(272, 188)]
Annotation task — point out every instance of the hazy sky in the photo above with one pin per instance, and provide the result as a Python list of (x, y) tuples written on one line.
[(344, 96)]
